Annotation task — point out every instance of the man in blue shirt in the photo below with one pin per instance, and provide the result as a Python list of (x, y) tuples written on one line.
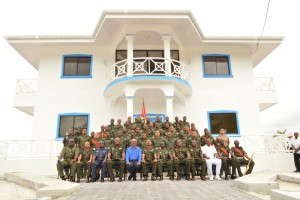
[(133, 159)]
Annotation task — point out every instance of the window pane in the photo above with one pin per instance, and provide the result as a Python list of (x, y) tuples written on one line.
[(121, 55), (66, 122), (222, 65), (84, 64), (138, 53), (216, 122), (158, 53), (70, 68), (210, 65), (230, 122), (175, 54), (80, 123)]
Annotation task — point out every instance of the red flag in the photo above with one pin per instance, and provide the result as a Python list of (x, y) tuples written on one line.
[(143, 110)]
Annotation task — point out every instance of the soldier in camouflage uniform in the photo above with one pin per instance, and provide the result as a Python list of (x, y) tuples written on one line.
[(181, 155), (69, 155), (224, 152), (157, 139), (149, 159), (197, 159), (68, 136), (116, 156), (170, 141), (84, 160), (164, 157), (83, 138)]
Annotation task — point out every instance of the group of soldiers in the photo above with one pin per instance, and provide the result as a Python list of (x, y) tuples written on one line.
[(145, 146)]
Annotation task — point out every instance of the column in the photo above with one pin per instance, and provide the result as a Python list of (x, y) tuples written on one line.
[(167, 51), (129, 100), (129, 38), (169, 106)]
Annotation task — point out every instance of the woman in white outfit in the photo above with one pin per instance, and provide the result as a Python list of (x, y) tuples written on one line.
[(211, 157)]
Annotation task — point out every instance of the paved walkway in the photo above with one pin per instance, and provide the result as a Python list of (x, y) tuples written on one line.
[(165, 189)]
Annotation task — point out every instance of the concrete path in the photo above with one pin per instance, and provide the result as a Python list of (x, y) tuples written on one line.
[(165, 189)]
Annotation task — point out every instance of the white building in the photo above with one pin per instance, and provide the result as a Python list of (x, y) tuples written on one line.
[(159, 56)]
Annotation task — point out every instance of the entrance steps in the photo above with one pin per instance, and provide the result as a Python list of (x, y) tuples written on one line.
[(45, 187)]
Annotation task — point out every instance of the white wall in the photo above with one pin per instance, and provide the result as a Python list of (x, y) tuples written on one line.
[(56, 95)]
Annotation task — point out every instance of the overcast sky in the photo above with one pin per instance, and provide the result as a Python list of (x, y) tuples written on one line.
[(215, 18)]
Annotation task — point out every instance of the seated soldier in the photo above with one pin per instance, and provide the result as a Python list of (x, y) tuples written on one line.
[(211, 157), (84, 160), (133, 159), (239, 155), (99, 160), (69, 155), (149, 160), (197, 159), (164, 157), (116, 156), (224, 152), (181, 155)]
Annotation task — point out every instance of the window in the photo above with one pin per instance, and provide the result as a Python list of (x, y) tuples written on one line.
[(223, 119), (77, 121), (216, 66), (77, 66), (122, 54)]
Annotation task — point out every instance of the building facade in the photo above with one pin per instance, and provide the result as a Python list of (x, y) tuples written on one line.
[(159, 57)]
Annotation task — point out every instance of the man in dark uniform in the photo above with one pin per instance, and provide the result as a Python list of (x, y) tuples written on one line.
[(181, 155), (239, 154), (84, 160), (116, 156), (164, 157), (99, 160), (69, 155), (206, 136), (197, 159), (149, 160), (224, 152)]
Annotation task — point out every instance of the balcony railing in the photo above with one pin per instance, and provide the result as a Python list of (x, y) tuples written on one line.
[(264, 84), (147, 66), (27, 86)]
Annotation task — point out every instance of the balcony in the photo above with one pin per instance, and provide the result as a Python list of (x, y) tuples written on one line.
[(145, 70), (265, 92), (24, 98)]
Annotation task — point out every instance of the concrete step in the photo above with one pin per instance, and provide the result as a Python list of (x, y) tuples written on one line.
[(284, 194), (290, 177), (44, 186)]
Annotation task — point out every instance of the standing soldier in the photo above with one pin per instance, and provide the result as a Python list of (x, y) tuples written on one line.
[(99, 160), (112, 124), (149, 159), (170, 141), (181, 155), (197, 159), (206, 136), (69, 155), (194, 136), (223, 137), (185, 123), (116, 156), (224, 152), (164, 157), (96, 141), (83, 138), (157, 139), (69, 135), (84, 160), (183, 139), (142, 141), (239, 155)]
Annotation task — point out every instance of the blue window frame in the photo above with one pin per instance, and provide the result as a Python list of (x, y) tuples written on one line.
[(227, 119), (77, 66), (216, 66), (151, 116), (77, 121)]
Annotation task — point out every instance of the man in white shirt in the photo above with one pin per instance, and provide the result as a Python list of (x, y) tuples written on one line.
[(211, 157), (296, 148)]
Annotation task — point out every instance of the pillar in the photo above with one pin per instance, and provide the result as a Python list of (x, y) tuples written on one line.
[(129, 38), (129, 100), (167, 52), (169, 106)]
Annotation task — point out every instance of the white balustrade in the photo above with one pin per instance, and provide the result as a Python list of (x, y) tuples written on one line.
[(264, 84), (146, 66), (27, 86)]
